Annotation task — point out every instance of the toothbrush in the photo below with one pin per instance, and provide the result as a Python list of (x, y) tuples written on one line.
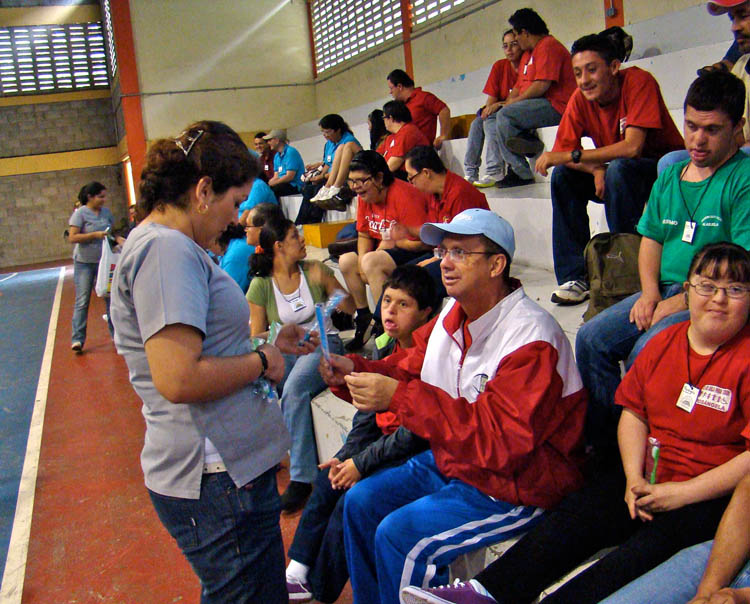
[(327, 309)]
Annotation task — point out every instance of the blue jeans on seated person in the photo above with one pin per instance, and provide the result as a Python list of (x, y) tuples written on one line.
[(601, 344), (302, 382), (519, 118), (405, 525), (627, 186), (319, 540), (481, 131), (674, 581), (231, 537)]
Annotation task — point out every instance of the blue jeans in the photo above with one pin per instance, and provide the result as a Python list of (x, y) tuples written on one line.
[(674, 581), (319, 540), (231, 537), (481, 130), (405, 525), (601, 344), (518, 118), (301, 383), (628, 184), (84, 277)]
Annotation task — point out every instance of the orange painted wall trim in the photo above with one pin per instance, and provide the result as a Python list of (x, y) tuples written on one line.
[(618, 18), (132, 111), (406, 35), (312, 39)]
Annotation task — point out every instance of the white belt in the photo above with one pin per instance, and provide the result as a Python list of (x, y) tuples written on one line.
[(214, 467)]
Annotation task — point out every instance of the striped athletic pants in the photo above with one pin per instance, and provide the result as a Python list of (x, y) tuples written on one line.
[(405, 525)]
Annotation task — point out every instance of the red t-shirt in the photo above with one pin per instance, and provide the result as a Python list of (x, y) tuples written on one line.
[(640, 104), (399, 144), (458, 195), (501, 79), (403, 204), (549, 60), (424, 108), (717, 428), (266, 163)]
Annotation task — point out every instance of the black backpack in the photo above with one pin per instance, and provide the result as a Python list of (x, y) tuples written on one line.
[(612, 266)]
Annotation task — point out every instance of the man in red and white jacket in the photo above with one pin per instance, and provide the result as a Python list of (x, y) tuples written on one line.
[(491, 383)]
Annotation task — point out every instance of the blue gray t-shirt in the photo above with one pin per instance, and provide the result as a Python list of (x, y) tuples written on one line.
[(89, 221), (164, 278)]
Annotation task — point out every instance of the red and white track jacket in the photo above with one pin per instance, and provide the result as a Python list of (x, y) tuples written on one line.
[(505, 414)]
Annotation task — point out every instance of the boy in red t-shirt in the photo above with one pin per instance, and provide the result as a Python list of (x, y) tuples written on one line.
[(625, 115), (500, 82), (544, 85)]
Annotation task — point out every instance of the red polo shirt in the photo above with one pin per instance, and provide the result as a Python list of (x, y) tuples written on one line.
[(266, 163), (424, 108), (399, 144), (549, 60), (640, 104), (501, 79), (458, 195)]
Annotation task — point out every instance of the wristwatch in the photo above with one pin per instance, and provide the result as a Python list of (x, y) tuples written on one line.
[(263, 360), (575, 156)]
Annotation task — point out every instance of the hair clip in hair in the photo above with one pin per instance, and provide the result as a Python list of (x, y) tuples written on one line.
[(191, 140), (258, 249)]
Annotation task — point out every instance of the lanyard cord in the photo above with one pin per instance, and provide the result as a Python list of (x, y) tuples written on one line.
[(713, 354), (700, 199), (708, 184)]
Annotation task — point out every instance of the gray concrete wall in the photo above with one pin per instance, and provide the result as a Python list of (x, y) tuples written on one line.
[(56, 127)]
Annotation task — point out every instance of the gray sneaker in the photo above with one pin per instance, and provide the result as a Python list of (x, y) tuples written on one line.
[(571, 292), (485, 182)]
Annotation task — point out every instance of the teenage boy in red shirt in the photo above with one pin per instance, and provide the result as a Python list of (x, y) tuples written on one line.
[(624, 114)]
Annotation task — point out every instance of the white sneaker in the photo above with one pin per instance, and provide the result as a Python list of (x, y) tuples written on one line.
[(485, 182), (572, 292), (322, 194), (332, 192)]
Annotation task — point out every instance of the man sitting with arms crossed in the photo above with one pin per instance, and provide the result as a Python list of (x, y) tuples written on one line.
[(492, 385), (625, 115)]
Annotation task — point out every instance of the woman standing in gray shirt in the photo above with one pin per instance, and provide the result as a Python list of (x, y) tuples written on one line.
[(214, 431), (88, 226)]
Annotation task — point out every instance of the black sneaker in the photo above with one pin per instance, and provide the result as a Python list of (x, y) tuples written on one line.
[(529, 145), (513, 180), (295, 496), (362, 330), (341, 320)]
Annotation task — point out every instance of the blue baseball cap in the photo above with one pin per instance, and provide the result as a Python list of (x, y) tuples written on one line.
[(474, 221)]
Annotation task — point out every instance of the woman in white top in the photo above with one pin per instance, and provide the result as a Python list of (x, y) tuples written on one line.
[(285, 289)]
